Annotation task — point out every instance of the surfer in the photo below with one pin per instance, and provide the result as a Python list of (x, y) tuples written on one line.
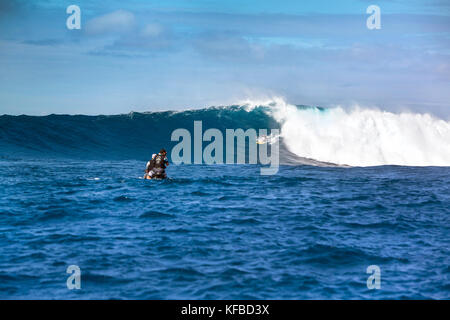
[(261, 139), (267, 139), (149, 167), (156, 167)]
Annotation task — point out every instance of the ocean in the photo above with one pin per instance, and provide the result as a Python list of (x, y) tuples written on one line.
[(72, 193)]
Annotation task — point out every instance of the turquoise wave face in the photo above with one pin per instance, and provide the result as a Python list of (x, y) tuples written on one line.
[(127, 136)]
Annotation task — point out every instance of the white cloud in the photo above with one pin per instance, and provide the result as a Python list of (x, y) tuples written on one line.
[(117, 21), (152, 30)]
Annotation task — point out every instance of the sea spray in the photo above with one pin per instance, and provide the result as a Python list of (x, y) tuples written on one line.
[(363, 137)]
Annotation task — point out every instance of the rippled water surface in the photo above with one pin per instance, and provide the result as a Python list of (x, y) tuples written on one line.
[(222, 232)]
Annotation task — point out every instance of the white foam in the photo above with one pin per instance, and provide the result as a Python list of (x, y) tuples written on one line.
[(362, 136)]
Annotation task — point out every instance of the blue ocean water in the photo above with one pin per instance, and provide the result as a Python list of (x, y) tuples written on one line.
[(222, 231)]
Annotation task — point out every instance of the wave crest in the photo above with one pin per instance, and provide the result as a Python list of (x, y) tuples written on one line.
[(309, 135), (363, 137)]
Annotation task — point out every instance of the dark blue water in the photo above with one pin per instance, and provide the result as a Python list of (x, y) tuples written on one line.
[(222, 232)]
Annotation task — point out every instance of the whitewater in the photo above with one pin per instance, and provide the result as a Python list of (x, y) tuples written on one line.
[(360, 136)]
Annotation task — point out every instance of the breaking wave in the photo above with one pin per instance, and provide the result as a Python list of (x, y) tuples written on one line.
[(309, 135), (364, 137)]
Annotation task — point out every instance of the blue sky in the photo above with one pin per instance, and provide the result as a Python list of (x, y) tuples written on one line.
[(157, 55)]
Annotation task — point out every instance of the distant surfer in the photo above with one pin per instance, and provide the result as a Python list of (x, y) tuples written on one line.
[(156, 167), (266, 139), (262, 139)]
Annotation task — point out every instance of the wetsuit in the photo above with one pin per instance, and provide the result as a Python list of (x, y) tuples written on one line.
[(159, 165), (149, 166)]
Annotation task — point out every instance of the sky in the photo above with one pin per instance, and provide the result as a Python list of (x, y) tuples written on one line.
[(139, 55)]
